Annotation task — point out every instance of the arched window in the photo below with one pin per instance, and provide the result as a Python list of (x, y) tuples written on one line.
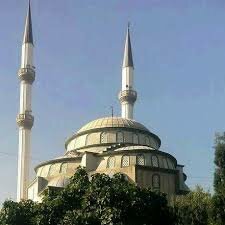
[(63, 168), (45, 171), (170, 164), (40, 171), (155, 161), (54, 169), (88, 138), (111, 137), (147, 140), (140, 160), (125, 161), (111, 162), (156, 182), (135, 138), (103, 137), (165, 163), (119, 137)]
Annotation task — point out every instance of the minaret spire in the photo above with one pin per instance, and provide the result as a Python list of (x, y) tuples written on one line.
[(28, 34), (127, 95), (25, 118), (128, 58)]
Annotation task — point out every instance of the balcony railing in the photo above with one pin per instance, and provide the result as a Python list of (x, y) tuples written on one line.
[(27, 74), (128, 95), (25, 120)]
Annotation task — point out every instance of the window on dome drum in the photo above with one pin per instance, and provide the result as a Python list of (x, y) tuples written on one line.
[(147, 140), (156, 182), (54, 169), (155, 161), (111, 162), (135, 138), (63, 167), (170, 164), (140, 160), (125, 160), (103, 137), (45, 171), (119, 137), (165, 163), (40, 171), (87, 141)]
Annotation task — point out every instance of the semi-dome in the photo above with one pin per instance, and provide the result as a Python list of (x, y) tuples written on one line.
[(59, 181), (112, 122), (100, 133)]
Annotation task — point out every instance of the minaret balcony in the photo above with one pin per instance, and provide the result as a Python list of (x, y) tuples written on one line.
[(25, 120), (27, 74), (129, 96)]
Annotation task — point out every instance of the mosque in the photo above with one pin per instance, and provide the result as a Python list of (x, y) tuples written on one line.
[(106, 145)]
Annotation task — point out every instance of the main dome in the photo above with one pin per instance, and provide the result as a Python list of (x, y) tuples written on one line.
[(101, 133), (112, 122)]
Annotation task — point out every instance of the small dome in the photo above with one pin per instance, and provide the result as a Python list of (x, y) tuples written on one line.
[(59, 181), (112, 122)]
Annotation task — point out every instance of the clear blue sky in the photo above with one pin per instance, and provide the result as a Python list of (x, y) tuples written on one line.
[(179, 56)]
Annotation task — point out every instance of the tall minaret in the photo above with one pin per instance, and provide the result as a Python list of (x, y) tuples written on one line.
[(25, 119), (128, 95)]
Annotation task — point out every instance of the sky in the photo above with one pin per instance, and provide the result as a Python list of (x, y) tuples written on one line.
[(179, 57)]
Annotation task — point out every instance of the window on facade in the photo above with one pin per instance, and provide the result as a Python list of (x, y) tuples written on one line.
[(156, 181), (165, 163), (104, 137), (111, 162), (63, 168), (147, 141), (125, 161), (140, 160), (135, 138), (119, 137), (155, 161)]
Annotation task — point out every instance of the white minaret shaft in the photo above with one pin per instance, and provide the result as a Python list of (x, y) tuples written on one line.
[(25, 119), (128, 95)]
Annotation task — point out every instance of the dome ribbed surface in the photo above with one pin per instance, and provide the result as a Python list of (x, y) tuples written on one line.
[(60, 181), (112, 122)]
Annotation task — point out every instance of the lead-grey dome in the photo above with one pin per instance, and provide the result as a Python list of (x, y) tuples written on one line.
[(112, 122), (101, 133)]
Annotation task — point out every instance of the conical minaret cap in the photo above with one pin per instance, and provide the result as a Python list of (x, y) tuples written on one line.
[(28, 34), (128, 58)]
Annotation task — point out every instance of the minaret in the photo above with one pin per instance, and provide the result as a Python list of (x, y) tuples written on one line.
[(25, 119), (127, 95)]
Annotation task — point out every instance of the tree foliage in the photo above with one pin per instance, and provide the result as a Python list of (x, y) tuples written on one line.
[(13, 213), (100, 200), (195, 208), (219, 180)]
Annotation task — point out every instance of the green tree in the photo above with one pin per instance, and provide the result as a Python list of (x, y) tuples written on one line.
[(99, 200), (219, 180), (13, 213), (195, 208), (104, 200)]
